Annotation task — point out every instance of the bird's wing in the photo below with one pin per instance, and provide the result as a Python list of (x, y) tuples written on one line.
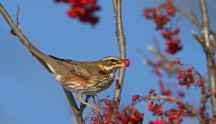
[(73, 67)]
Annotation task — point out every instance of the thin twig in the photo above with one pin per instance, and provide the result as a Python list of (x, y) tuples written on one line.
[(17, 17), (122, 49), (191, 17), (158, 53), (203, 102), (73, 106), (195, 20), (160, 56), (17, 21)]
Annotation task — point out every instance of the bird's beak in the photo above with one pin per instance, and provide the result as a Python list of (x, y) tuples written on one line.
[(124, 63)]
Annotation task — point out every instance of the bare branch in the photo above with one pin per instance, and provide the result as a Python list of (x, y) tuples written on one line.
[(157, 53), (28, 44), (121, 43), (195, 20), (209, 53), (205, 22), (73, 106)]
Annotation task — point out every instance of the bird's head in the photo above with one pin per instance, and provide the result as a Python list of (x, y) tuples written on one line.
[(111, 63)]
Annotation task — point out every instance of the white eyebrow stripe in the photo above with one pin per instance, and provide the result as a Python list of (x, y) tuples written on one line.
[(108, 58)]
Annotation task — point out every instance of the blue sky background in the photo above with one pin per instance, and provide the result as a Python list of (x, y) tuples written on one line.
[(30, 95)]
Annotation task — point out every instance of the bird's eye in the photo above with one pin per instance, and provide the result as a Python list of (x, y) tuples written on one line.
[(113, 60)]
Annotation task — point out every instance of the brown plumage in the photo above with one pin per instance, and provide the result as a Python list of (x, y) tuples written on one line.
[(87, 78)]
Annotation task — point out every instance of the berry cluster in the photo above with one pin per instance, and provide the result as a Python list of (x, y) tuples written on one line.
[(157, 109), (185, 76), (128, 115), (188, 76), (173, 115), (159, 121), (83, 10), (161, 16)]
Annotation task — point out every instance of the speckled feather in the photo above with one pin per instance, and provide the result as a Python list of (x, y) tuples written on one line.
[(84, 77)]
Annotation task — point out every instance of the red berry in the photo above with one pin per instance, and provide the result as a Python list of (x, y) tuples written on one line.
[(133, 117), (200, 82), (72, 13), (119, 99), (171, 11), (130, 122), (127, 62), (135, 97), (130, 108), (189, 69), (203, 90), (147, 15), (110, 123), (180, 75), (151, 91), (159, 122)]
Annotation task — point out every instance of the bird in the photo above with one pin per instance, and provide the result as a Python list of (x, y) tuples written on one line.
[(89, 77), (83, 78)]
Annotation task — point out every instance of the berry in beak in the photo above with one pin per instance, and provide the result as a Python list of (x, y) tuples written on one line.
[(123, 63), (126, 62)]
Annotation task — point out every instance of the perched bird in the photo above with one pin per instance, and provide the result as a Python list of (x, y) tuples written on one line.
[(89, 78)]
